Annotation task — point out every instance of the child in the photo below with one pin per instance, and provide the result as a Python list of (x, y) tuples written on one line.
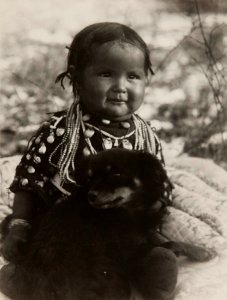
[(108, 66)]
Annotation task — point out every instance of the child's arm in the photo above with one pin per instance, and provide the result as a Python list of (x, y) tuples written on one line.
[(32, 186), (24, 206), (17, 228)]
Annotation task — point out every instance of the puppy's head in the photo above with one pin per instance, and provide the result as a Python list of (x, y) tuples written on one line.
[(123, 178)]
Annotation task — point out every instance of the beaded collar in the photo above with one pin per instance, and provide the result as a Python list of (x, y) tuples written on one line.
[(79, 125)]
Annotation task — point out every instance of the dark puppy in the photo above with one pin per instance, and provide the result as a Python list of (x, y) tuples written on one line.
[(102, 243)]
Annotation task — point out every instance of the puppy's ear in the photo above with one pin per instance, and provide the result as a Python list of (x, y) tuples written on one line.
[(151, 168)]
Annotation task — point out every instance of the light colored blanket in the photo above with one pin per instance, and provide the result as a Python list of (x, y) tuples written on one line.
[(198, 215)]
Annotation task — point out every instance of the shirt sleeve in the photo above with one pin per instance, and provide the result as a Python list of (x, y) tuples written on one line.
[(158, 146), (169, 186), (39, 162), (159, 152), (168, 195)]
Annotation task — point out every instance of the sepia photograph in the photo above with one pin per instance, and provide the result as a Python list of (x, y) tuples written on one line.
[(113, 150)]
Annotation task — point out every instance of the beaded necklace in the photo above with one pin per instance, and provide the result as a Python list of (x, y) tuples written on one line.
[(108, 140), (75, 123)]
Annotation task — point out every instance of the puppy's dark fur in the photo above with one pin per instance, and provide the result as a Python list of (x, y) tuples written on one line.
[(102, 242)]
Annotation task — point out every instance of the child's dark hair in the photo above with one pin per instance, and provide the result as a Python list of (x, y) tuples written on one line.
[(80, 50)]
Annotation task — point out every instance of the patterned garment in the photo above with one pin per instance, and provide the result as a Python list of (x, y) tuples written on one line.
[(38, 169)]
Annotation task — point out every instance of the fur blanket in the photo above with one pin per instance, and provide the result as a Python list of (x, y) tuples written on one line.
[(198, 215)]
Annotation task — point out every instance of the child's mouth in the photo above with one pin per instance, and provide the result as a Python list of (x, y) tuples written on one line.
[(118, 99)]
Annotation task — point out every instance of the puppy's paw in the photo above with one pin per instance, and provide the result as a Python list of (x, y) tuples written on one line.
[(200, 254)]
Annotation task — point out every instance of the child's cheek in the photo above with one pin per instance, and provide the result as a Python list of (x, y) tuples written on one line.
[(138, 92), (101, 85)]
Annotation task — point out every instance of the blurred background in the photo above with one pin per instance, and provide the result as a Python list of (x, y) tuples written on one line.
[(185, 100)]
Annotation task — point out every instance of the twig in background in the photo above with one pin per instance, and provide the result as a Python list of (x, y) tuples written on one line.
[(214, 73)]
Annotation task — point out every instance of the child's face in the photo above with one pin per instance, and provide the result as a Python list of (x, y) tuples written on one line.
[(113, 85)]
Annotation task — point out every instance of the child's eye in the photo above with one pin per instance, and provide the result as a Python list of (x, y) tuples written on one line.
[(105, 74), (133, 76)]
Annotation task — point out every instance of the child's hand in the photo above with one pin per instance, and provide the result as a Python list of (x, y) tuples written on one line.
[(14, 243)]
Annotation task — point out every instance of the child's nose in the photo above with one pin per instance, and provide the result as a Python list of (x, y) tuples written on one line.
[(120, 85)]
